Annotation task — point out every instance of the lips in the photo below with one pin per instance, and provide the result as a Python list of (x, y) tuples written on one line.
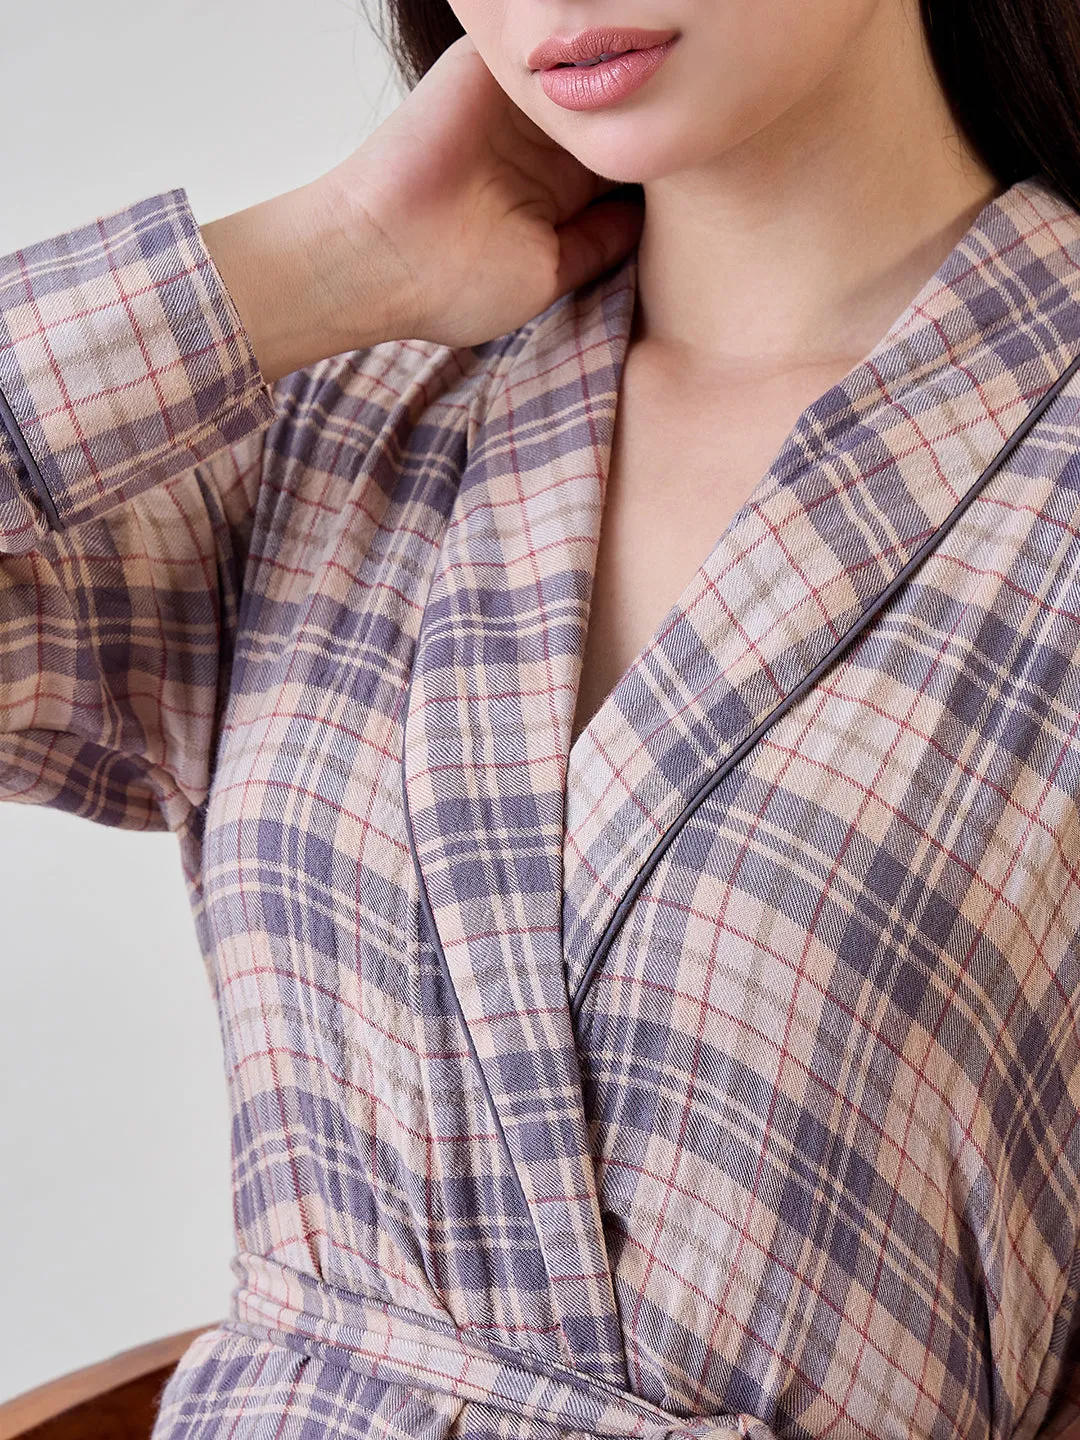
[(581, 64), (587, 45)]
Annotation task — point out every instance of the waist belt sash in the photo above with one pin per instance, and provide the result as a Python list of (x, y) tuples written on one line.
[(387, 1342)]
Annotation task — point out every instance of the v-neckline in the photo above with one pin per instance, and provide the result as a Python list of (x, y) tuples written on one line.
[(689, 594), (605, 467), (858, 385), (872, 463)]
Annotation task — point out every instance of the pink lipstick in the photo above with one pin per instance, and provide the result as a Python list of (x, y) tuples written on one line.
[(599, 67)]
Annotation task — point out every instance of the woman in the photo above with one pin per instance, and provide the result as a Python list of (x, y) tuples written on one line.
[(646, 956)]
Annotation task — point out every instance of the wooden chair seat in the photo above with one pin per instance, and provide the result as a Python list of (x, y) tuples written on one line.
[(115, 1399)]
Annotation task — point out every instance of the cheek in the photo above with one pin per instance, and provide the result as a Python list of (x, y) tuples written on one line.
[(763, 57), (758, 63), (502, 40), (490, 26)]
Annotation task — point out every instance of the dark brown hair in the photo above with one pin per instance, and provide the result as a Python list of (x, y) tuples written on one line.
[(1010, 70)]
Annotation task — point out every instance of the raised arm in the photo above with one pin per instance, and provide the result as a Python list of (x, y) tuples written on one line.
[(132, 416), (133, 422), (137, 359)]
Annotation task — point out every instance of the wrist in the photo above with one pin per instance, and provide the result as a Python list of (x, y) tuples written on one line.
[(365, 287), (305, 284)]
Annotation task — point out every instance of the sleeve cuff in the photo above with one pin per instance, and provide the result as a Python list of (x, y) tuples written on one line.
[(123, 360)]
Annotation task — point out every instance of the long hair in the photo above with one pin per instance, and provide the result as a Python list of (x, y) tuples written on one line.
[(1010, 71)]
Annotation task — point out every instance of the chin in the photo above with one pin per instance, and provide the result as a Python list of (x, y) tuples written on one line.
[(632, 156)]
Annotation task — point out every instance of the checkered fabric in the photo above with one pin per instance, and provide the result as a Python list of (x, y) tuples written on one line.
[(716, 1073)]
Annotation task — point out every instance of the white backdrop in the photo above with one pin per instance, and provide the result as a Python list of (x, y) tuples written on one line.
[(115, 1222)]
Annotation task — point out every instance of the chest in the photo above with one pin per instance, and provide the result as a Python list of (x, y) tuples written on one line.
[(687, 453)]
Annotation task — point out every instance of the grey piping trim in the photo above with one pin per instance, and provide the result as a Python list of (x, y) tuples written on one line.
[(724, 769), (18, 439)]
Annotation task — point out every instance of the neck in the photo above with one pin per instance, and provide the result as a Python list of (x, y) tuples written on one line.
[(803, 242)]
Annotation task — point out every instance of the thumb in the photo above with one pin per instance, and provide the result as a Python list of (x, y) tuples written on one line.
[(597, 238)]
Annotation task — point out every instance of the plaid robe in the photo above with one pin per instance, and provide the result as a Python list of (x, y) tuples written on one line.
[(718, 1072)]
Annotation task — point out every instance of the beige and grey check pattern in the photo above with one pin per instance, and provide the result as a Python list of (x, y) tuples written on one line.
[(717, 1073)]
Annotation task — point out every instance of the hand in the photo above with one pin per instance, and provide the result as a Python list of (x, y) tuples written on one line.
[(481, 216)]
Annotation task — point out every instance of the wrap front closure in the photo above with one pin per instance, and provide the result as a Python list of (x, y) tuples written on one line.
[(743, 744), (518, 885)]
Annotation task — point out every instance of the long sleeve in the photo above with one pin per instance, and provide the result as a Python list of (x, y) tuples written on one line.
[(132, 420)]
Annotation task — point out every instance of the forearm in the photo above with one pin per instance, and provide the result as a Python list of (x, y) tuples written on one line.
[(308, 275)]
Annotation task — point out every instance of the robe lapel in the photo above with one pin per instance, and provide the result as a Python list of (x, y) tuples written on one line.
[(869, 473), (487, 737), (525, 849)]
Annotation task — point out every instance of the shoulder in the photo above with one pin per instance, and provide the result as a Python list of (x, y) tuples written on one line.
[(370, 439), (397, 393)]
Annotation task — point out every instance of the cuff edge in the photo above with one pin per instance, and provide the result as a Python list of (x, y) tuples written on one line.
[(33, 470)]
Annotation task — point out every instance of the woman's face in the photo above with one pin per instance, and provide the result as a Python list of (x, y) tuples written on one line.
[(737, 67)]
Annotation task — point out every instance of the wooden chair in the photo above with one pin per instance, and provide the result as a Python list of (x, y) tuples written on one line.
[(113, 1400)]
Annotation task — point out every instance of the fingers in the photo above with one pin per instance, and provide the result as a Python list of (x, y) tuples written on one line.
[(596, 239)]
